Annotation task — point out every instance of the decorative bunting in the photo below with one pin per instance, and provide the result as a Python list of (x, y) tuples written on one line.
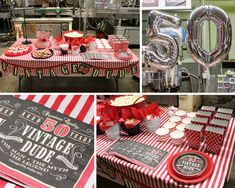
[(108, 74), (134, 69), (121, 73), (67, 69), (4, 66), (95, 73)]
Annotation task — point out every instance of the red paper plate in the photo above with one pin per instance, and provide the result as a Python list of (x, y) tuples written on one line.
[(195, 178), (17, 54)]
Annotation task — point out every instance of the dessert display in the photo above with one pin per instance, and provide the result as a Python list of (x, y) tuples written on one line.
[(192, 140), (18, 50), (43, 39), (42, 53)]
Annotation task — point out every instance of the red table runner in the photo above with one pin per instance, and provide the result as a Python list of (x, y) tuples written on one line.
[(67, 65), (133, 175), (76, 106)]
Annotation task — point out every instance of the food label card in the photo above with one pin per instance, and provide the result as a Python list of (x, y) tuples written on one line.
[(137, 153), (41, 147)]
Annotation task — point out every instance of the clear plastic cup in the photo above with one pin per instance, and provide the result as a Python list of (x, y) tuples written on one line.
[(152, 124), (75, 49), (113, 132)]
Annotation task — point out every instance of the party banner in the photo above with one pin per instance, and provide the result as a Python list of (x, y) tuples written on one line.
[(70, 69), (41, 147)]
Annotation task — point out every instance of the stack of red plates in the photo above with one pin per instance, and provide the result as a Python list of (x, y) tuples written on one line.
[(162, 134), (190, 167), (177, 137)]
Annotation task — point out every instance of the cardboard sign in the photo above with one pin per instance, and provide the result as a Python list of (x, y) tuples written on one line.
[(41, 147), (137, 153)]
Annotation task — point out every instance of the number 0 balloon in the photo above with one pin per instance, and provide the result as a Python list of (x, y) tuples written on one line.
[(224, 35)]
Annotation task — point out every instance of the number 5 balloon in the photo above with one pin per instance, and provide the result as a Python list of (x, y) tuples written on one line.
[(163, 50), (224, 35)]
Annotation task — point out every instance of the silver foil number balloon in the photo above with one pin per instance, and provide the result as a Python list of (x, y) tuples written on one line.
[(224, 35), (163, 49)]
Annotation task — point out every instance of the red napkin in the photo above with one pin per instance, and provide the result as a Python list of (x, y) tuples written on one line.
[(111, 114), (90, 38), (58, 38), (153, 108), (138, 113), (107, 125), (130, 125), (110, 118), (126, 113)]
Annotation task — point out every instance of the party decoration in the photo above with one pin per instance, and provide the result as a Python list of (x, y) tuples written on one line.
[(67, 69), (159, 58), (224, 35)]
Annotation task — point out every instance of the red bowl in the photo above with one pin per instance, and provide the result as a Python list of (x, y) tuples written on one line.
[(69, 38)]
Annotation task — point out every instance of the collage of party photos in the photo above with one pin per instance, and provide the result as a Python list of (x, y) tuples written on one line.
[(117, 93)]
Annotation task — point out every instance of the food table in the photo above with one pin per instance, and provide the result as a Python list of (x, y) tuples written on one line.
[(68, 65), (79, 107), (132, 175)]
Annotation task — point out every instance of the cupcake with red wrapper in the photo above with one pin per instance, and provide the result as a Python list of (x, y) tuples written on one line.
[(170, 125), (193, 134), (177, 137), (214, 138), (162, 134)]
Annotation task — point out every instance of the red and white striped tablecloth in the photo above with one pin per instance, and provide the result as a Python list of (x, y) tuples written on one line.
[(56, 61), (143, 177), (80, 107)]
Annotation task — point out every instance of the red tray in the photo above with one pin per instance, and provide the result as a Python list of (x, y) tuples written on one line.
[(18, 54), (207, 173)]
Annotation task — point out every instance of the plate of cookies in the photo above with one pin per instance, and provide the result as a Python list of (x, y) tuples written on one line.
[(42, 53)]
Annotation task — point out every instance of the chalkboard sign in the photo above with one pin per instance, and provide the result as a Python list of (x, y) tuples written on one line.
[(41, 147), (137, 153)]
